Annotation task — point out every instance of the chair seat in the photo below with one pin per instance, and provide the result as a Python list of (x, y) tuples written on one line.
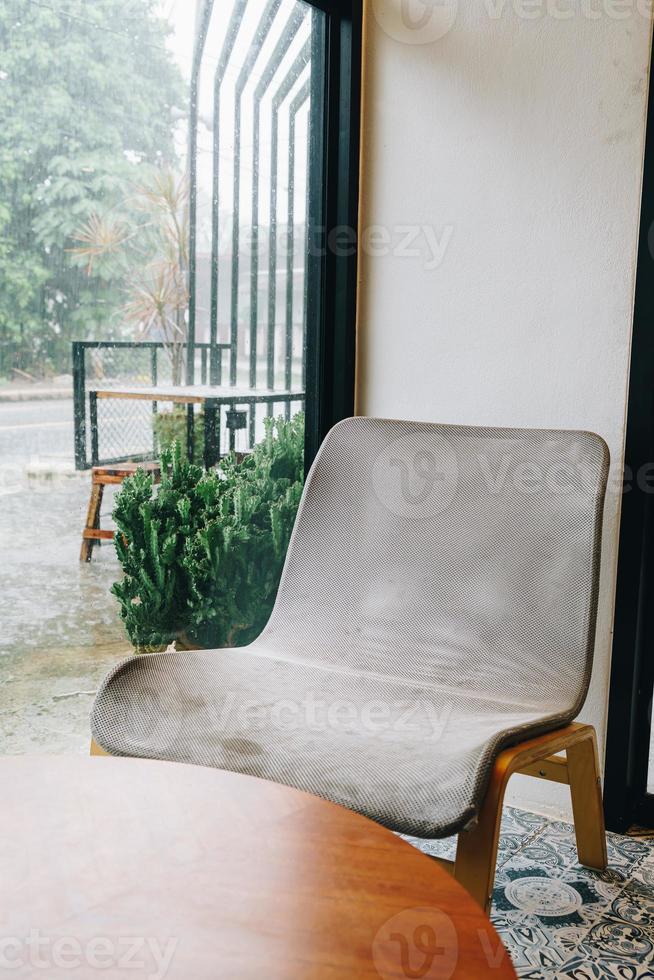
[(415, 757), (437, 604)]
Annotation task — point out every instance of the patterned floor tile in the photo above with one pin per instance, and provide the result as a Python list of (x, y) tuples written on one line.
[(517, 830), (581, 968), (635, 905), (559, 920), (644, 872), (544, 856), (560, 901), (611, 938), (444, 848), (625, 853), (532, 949), (518, 827)]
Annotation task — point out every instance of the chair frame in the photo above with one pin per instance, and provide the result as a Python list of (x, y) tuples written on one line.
[(476, 853)]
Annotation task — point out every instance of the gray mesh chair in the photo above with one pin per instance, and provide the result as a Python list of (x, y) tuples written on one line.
[(433, 633)]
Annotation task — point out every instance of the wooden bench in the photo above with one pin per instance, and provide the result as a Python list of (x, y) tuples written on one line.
[(102, 476)]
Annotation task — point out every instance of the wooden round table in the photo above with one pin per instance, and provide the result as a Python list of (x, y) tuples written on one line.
[(131, 868)]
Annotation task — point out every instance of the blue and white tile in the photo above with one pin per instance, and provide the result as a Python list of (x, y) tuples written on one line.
[(445, 847), (531, 948), (559, 920), (625, 853), (518, 828), (635, 905), (614, 940), (542, 915), (582, 968), (547, 909), (557, 901), (644, 872)]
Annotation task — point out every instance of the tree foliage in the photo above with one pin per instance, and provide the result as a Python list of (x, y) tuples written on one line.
[(89, 94), (202, 553), (143, 243)]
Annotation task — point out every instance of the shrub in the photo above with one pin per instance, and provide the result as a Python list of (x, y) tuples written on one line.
[(202, 553)]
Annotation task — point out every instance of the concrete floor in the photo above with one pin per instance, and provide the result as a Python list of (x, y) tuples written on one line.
[(60, 627)]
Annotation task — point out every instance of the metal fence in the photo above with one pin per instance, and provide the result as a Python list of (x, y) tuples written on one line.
[(125, 430), (112, 430)]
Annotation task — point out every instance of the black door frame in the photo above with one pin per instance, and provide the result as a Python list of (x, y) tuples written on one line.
[(626, 800), (333, 210)]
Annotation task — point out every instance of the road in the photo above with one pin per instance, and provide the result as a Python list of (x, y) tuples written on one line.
[(36, 430)]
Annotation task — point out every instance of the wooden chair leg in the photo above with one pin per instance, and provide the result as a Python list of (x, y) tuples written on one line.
[(587, 809), (476, 850), (476, 853), (96, 749), (92, 520)]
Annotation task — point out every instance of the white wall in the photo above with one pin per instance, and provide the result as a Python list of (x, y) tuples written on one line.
[(522, 140)]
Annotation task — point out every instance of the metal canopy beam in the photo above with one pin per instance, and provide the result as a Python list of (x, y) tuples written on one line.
[(282, 93), (295, 20), (260, 36), (204, 17), (300, 99), (215, 357)]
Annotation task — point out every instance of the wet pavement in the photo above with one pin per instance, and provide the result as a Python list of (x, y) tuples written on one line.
[(60, 630)]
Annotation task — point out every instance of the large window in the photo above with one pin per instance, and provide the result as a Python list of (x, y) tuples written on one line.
[(171, 175)]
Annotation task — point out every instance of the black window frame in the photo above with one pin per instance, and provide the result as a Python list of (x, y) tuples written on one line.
[(626, 800), (333, 219)]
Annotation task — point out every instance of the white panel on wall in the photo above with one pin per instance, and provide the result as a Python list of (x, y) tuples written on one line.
[(502, 167)]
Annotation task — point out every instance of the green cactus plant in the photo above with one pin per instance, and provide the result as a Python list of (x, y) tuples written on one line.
[(202, 553)]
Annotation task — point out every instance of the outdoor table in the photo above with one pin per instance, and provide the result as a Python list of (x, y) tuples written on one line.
[(122, 867), (210, 397)]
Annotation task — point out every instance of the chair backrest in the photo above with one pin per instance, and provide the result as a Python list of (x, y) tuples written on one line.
[(449, 555)]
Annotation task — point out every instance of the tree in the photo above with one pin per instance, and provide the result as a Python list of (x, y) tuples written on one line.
[(89, 94), (143, 241)]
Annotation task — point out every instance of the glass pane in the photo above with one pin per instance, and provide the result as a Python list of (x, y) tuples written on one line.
[(154, 178), (93, 134), (252, 165)]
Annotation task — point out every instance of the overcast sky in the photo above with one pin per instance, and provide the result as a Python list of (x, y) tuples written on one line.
[(181, 14)]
